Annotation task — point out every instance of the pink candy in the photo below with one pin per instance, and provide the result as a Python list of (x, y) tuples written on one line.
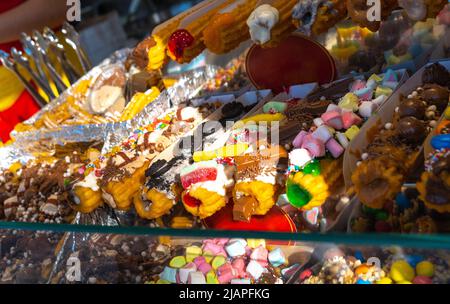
[(350, 119), (314, 146), (298, 141), (204, 268), (260, 255), (335, 148), (225, 273), (214, 249), (239, 267), (199, 261), (333, 119)]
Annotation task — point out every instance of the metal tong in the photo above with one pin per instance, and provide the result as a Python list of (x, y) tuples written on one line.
[(8, 63), (72, 38), (23, 61), (42, 47), (57, 48)]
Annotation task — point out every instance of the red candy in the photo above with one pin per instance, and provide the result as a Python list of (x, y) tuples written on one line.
[(178, 41), (191, 201), (422, 280), (198, 176), (382, 226)]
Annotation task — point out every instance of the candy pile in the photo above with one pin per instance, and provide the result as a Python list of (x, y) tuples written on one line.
[(228, 261)]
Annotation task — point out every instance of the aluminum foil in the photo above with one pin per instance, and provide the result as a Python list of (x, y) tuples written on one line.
[(188, 86), (12, 154)]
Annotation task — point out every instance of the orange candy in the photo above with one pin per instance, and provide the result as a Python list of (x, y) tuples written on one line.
[(363, 269)]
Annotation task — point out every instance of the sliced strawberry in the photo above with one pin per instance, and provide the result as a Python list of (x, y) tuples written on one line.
[(191, 201), (198, 176), (178, 41)]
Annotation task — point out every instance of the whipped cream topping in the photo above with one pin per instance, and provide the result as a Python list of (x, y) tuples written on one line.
[(261, 22), (220, 185), (90, 181)]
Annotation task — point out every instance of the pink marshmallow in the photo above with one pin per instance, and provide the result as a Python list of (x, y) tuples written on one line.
[(333, 119), (260, 255), (298, 141), (335, 148), (350, 119), (199, 261), (221, 241), (239, 267), (225, 273), (314, 146), (204, 268), (214, 249), (357, 85)]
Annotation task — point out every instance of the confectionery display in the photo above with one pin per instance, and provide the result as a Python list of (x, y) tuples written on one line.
[(239, 142), (386, 266)]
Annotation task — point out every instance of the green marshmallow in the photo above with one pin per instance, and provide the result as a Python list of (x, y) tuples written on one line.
[(192, 252), (218, 261), (275, 107), (211, 278), (177, 262), (383, 91)]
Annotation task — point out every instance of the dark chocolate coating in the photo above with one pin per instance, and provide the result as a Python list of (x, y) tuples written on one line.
[(436, 95), (411, 130), (232, 110), (412, 107), (437, 74)]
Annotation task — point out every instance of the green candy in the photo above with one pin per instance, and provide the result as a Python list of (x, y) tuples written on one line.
[(275, 106), (312, 168), (177, 262), (381, 215), (297, 196)]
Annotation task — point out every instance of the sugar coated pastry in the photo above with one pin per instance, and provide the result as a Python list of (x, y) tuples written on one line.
[(258, 180), (228, 28), (206, 185), (186, 42), (434, 186), (317, 16)]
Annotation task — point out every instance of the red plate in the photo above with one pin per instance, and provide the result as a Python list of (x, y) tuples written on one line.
[(276, 220), (296, 60)]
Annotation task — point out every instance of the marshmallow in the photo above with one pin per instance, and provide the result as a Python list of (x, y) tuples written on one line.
[(241, 281), (177, 262), (376, 78), (239, 267), (255, 269), (371, 83), (211, 278), (235, 249), (332, 107), (299, 157), (379, 100), (242, 241), (169, 274), (381, 90), (253, 243), (322, 133), (350, 119), (315, 147), (199, 260), (390, 79), (212, 249), (367, 109), (277, 257), (349, 102), (204, 268), (352, 132), (318, 121), (221, 241), (342, 139), (298, 141), (260, 255), (192, 252), (225, 273), (333, 119), (357, 85), (218, 261), (365, 93), (184, 272), (335, 148), (196, 278)]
